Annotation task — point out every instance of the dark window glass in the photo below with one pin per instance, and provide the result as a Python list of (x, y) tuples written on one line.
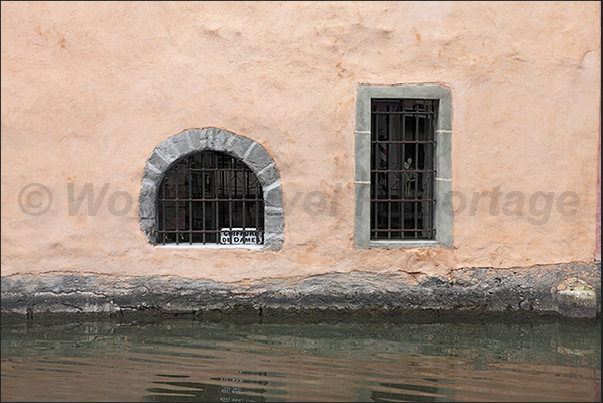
[(210, 197), (402, 168)]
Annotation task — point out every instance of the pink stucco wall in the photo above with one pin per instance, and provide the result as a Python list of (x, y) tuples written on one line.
[(90, 88)]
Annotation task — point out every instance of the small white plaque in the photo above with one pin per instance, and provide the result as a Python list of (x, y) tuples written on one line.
[(234, 236)]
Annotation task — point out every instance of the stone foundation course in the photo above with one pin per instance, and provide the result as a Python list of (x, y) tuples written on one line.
[(570, 290)]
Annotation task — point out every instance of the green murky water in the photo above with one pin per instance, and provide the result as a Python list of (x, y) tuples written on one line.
[(252, 360)]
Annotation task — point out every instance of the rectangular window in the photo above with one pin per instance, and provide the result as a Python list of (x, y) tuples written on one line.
[(402, 168), (403, 153)]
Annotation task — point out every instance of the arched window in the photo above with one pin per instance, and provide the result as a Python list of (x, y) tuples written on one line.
[(211, 187), (210, 197)]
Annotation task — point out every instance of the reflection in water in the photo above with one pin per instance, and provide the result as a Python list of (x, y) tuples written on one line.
[(405, 394), (203, 392), (191, 360)]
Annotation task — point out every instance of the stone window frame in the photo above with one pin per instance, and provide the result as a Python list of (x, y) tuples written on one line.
[(192, 141), (443, 215)]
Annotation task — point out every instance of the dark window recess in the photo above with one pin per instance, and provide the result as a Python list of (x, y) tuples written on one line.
[(210, 197), (402, 168)]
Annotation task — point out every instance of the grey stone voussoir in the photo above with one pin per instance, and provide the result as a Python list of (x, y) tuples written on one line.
[(181, 144), (218, 138), (273, 195), (197, 139), (238, 146), (151, 173), (273, 242), (147, 225), (268, 175), (275, 224), (257, 158), (147, 209), (157, 162), (168, 151)]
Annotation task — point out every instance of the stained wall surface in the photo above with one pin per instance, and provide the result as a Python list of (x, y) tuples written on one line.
[(89, 89)]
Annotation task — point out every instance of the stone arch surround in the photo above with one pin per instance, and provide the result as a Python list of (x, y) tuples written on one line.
[(188, 142)]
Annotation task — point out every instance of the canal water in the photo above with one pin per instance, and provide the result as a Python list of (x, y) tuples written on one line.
[(184, 359)]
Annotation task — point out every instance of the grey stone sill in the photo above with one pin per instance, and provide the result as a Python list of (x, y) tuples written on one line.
[(404, 244), (210, 246)]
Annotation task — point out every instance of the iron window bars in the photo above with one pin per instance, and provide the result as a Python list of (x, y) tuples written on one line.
[(210, 197), (402, 168)]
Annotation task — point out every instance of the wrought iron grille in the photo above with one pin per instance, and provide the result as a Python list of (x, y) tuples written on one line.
[(402, 168), (210, 198)]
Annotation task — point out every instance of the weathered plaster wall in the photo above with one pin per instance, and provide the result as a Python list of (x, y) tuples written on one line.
[(90, 88)]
